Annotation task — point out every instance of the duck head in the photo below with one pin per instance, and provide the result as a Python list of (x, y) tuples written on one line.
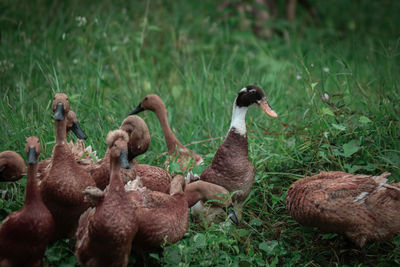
[(250, 95), (253, 95), (151, 102), (117, 142), (139, 135), (74, 126), (60, 106), (32, 149)]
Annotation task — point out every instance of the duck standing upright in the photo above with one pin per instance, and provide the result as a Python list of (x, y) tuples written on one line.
[(24, 234), (62, 187), (12, 166), (362, 207), (105, 233), (231, 167), (186, 157)]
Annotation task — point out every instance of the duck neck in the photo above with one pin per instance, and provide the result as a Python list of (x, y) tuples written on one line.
[(116, 183), (238, 122), (61, 132), (170, 138), (32, 193)]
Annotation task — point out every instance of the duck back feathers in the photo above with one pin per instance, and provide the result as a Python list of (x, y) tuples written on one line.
[(362, 207), (12, 166)]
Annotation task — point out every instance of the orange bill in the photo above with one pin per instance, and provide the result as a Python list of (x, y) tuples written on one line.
[(267, 109)]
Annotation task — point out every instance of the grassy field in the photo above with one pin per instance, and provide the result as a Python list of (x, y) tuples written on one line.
[(107, 56)]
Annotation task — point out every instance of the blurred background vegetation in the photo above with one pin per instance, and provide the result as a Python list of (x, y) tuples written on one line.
[(330, 70)]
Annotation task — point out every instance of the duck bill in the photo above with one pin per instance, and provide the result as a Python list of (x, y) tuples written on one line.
[(232, 214), (123, 159), (77, 130), (267, 108), (32, 155), (137, 110), (59, 113)]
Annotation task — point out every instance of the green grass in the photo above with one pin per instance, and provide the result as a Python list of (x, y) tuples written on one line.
[(107, 56)]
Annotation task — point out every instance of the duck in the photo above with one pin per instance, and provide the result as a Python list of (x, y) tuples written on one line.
[(153, 177), (83, 155), (231, 167), (61, 188), (24, 234), (361, 207), (185, 157), (12, 166), (164, 217), (105, 232)]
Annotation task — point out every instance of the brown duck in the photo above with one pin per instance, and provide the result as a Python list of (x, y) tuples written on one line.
[(362, 207), (186, 158), (153, 178), (164, 217), (24, 234), (105, 233), (83, 155), (62, 187), (231, 167), (12, 166)]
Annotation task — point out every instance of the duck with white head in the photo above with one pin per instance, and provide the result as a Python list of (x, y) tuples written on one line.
[(231, 167)]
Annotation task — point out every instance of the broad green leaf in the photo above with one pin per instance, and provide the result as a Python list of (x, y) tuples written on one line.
[(328, 111), (339, 127), (351, 147), (364, 120), (268, 246)]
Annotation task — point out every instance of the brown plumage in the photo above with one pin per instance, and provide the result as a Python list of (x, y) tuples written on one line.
[(185, 157), (164, 217), (105, 233), (154, 178), (62, 187), (83, 155), (160, 216), (12, 166), (24, 234), (231, 167), (139, 142), (362, 207)]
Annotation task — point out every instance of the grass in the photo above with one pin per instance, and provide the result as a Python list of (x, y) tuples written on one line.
[(108, 56)]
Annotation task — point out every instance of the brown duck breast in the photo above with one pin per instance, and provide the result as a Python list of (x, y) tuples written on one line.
[(24, 234)]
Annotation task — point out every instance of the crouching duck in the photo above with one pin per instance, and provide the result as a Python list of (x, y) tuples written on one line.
[(105, 233), (24, 234), (12, 166), (61, 189), (164, 217), (186, 158), (231, 167), (362, 207)]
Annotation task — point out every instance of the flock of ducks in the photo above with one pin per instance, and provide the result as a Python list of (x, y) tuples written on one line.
[(113, 205)]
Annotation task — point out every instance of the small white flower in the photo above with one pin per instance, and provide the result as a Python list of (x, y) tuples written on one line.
[(63, 36), (81, 21), (325, 96), (325, 69), (298, 76), (75, 61)]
